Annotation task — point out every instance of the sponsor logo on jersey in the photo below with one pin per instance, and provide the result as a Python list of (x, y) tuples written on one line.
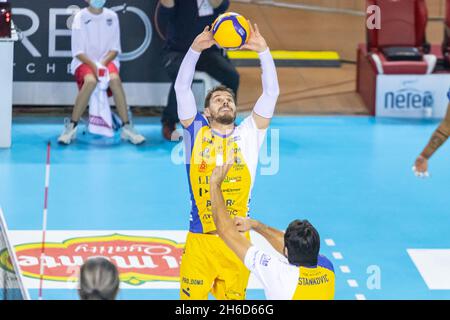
[(203, 166), (264, 260), (232, 179)]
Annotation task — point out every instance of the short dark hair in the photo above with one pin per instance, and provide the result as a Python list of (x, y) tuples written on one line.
[(218, 88), (99, 280), (303, 243)]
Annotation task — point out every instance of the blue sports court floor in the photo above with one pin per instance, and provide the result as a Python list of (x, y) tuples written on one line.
[(350, 176)]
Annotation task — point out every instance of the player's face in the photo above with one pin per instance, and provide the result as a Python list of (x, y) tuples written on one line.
[(222, 108), (98, 4)]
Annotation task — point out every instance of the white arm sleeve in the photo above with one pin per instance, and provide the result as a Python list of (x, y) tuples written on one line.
[(77, 36), (116, 46), (187, 107), (265, 106)]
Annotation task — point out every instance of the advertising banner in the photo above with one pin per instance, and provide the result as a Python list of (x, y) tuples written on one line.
[(412, 96), (146, 259)]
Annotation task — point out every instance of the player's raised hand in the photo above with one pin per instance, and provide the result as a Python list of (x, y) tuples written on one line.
[(256, 41), (221, 170), (242, 224), (420, 167), (204, 40), (219, 173)]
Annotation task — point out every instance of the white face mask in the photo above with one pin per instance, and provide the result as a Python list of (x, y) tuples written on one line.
[(97, 4)]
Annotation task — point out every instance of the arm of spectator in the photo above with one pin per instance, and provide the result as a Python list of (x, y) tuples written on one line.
[(167, 3), (77, 38), (78, 42), (109, 57), (116, 47), (85, 59)]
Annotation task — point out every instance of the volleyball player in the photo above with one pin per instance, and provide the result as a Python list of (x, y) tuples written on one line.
[(208, 265), (304, 275)]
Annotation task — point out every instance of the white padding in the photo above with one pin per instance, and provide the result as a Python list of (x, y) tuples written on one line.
[(376, 59), (431, 61), (209, 83)]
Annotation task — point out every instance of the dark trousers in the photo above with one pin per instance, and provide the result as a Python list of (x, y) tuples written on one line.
[(211, 61)]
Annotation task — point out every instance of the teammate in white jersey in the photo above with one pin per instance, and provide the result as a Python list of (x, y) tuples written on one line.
[(305, 275), (96, 46)]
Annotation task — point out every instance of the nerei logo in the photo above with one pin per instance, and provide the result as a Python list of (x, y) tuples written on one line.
[(408, 98)]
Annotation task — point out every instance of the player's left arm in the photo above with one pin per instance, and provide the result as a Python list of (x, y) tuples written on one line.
[(115, 48), (224, 224), (265, 106)]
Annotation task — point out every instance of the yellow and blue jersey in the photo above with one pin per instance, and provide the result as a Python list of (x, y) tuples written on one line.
[(316, 283), (202, 145)]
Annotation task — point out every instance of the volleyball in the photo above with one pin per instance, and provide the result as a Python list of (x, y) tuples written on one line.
[(231, 30)]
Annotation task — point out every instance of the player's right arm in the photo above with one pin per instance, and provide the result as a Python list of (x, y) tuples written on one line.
[(187, 108), (274, 236), (224, 224), (78, 43), (437, 140), (115, 45)]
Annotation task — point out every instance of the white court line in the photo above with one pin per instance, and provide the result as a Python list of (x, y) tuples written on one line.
[(352, 283), (337, 255), (345, 269), (433, 266)]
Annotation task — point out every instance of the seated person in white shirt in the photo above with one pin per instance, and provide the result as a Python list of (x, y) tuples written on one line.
[(305, 275), (95, 42)]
